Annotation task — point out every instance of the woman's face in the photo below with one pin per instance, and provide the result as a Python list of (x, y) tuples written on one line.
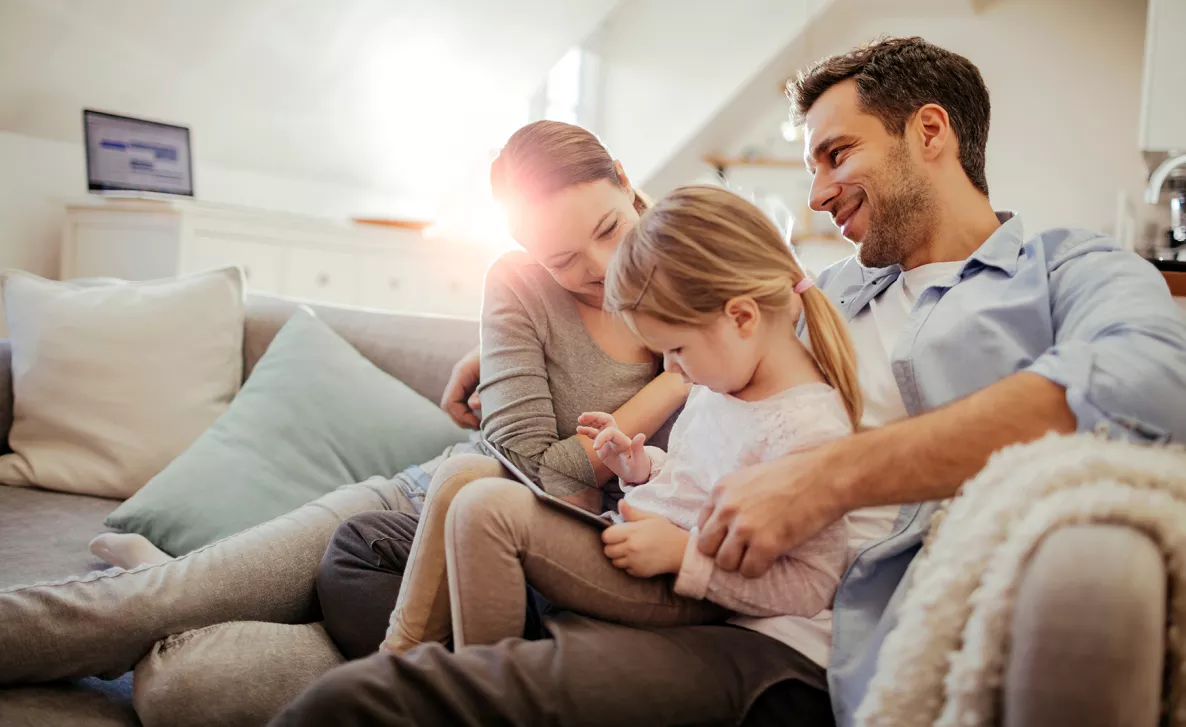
[(574, 233)]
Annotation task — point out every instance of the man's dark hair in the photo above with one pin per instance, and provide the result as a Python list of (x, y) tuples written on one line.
[(896, 77)]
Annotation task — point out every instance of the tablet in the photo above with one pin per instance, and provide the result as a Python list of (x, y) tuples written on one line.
[(541, 494)]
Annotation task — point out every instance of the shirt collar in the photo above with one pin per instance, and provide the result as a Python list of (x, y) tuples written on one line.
[(1003, 247)]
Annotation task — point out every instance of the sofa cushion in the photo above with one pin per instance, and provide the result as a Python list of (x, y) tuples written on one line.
[(110, 383), (313, 415)]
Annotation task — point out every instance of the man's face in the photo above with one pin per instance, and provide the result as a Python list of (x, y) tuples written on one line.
[(868, 179)]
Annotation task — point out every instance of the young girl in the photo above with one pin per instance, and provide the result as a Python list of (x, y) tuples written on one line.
[(706, 280)]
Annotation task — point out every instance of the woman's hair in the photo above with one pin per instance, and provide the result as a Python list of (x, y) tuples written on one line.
[(700, 247), (547, 156)]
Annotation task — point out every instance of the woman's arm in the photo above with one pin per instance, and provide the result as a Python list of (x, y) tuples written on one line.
[(644, 413), (518, 415)]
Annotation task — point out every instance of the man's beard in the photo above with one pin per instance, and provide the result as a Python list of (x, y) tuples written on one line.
[(902, 216)]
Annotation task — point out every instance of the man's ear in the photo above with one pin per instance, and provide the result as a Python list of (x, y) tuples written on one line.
[(743, 313), (933, 126)]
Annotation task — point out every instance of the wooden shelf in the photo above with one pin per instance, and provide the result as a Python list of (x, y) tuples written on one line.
[(402, 224), (723, 162), (1176, 281)]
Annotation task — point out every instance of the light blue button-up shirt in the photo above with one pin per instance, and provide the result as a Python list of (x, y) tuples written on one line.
[(1069, 305)]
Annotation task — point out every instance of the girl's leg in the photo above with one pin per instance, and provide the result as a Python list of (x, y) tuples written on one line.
[(103, 623), (499, 537), (422, 611)]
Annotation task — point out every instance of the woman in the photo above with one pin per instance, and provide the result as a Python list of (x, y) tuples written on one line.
[(549, 353)]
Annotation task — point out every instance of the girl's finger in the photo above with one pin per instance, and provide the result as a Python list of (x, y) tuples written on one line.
[(623, 563), (617, 550), (589, 432), (620, 440), (615, 534), (605, 437), (594, 419)]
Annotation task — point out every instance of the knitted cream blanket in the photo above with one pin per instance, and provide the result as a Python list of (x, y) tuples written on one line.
[(944, 662)]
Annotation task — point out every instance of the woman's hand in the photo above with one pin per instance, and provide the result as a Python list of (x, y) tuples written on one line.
[(624, 456), (460, 400), (646, 544)]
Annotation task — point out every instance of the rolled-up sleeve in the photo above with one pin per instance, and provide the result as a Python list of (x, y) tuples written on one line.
[(1120, 345), (517, 411)]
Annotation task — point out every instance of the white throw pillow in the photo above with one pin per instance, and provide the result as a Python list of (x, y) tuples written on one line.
[(110, 383)]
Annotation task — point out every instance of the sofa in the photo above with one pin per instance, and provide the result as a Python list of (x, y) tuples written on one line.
[(1088, 638), (44, 535)]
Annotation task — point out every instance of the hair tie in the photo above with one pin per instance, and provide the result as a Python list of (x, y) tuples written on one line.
[(803, 286), (645, 284)]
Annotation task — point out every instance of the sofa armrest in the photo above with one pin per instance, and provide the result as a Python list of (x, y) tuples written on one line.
[(5, 394), (1089, 632)]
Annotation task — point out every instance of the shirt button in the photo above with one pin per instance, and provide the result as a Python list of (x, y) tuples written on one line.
[(1103, 428)]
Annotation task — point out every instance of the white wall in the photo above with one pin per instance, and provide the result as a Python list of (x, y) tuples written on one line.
[(668, 66), (1065, 80), (38, 177)]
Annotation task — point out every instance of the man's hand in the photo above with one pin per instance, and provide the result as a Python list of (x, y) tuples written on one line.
[(460, 400), (623, 455), (646, 544), (759, 513)]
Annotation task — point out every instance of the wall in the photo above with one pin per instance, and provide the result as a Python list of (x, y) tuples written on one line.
[(38, 177), (1065, 79), (668, 66)]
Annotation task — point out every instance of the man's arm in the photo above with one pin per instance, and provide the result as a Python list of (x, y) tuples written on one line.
[(759, 513), (1117, 366)]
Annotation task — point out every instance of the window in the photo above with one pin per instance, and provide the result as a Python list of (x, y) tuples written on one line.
[(566, 92)]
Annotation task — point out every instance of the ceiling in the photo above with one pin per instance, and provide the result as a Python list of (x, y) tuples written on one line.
[(379, 94)]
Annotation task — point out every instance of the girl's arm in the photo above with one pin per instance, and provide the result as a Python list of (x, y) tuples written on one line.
[(517, 411), (802, 583), (645, 412)]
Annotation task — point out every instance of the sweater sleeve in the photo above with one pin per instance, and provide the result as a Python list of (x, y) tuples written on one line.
[(517, 411), (800, 584)]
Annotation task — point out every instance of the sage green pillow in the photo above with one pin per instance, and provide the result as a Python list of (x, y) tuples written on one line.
[(313, 415)]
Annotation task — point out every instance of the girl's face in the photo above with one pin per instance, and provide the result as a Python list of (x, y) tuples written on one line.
[(574, 233), (722, 354)]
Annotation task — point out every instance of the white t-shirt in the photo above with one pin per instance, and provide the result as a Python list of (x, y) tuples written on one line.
[(874, 332)]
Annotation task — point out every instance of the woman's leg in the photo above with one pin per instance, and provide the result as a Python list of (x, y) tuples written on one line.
[(499, 536), (360, 577), (103, 623), (422, 611)]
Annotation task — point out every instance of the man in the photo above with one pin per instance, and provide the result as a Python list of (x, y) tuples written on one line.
[(970, 338)]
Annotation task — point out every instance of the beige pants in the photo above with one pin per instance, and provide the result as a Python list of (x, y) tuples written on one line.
[(499, 538), (481, 539), (422, 610)]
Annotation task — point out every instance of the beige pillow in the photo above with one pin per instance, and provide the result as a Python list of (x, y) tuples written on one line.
[(110, 383)]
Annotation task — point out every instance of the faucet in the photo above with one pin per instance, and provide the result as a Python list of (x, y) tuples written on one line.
[(1177, 202)]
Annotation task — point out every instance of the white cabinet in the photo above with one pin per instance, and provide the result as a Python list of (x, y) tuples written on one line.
[(287, 255), (1163, 94), (325, 275), (261, 262)]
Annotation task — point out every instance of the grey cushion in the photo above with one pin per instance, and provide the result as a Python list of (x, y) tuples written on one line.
[(313, 415), (44, 535)]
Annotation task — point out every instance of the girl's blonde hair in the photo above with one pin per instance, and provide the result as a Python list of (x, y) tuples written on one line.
[(700, 247), (545, 157)]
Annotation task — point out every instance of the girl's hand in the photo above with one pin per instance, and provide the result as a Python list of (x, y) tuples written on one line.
[(625, 457), (646, 544)]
